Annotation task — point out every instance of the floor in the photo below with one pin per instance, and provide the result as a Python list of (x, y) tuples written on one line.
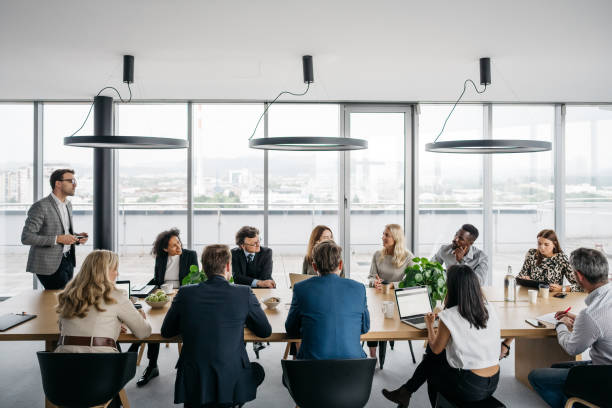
[(20, 384)]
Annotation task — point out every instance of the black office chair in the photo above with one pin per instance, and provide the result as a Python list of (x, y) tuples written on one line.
[(589, 385), (78, 380), (445, 402), (329, 383)]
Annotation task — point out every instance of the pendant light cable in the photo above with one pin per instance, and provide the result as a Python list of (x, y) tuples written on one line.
[(92, 104), (455, 105)]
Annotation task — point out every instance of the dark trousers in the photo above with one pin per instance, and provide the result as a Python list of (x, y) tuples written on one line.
[(549, 382), (453, 383), (152, 352), (60, 278), (258, 375)]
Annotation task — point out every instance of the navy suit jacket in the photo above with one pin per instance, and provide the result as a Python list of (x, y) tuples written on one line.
[(263, 266), (210, 317), (329, 313)]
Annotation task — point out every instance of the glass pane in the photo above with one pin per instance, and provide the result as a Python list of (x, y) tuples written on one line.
[(450, 185), (16, 187), (377, 184), (588, 188), (523, 189), (228, 185), (152, 185), (61, 120), (303, 186)]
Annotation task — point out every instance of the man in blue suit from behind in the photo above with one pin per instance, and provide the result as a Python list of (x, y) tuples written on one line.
[(328, 312), (213, 369)]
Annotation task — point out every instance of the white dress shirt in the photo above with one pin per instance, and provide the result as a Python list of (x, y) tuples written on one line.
[(63, 209)]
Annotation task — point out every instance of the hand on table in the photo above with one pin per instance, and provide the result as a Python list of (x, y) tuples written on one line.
[(269, 283), (430, 318), (561, 314), (123, 328), (568, 321), (555, 288), (378, 283)]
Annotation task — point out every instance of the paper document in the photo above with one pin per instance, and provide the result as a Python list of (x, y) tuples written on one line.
[(548, 318)]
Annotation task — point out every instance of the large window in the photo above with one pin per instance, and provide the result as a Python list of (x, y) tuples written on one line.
[(61, 120), (376, 183), (450, 185), (16, 188), (302, 186), (523, 189), (228, 187), (588, 188), (152, 185)]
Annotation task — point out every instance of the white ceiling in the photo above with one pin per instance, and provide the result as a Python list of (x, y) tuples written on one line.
[(406, 50)]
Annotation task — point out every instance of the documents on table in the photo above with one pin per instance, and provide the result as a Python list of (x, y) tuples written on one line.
[(548, 318)]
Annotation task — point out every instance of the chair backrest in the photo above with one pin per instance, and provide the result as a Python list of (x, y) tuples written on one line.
[(298, 277), (84, 379), (591, 383), (329, 383)]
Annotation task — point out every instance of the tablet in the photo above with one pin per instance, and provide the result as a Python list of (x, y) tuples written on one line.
[(11, 319), (530, 283)]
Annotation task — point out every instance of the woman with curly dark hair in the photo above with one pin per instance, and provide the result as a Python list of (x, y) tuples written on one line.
[(172, 264)]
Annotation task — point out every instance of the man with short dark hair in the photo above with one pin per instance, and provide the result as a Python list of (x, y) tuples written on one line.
[(328, 312), (591, 328), (49, 232), (214, 368), (251, 262), (461, 251)]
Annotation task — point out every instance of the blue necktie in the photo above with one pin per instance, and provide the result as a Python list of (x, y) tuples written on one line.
[(250, 258)]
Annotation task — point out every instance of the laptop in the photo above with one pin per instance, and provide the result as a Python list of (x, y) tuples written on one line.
[(124, 285), (413, 304), (142, 291), (298, 277)]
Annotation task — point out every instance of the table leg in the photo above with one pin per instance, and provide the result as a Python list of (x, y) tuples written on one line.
[(382, 352), (537, 353)]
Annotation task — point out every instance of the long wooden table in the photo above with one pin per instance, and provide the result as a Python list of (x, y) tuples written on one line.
[(534, 347)]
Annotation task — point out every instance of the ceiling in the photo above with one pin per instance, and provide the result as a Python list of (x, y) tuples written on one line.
[(396, 51)]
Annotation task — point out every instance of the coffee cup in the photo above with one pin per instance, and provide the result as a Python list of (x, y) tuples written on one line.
[(167, 288), (388, 308), (533, 296), (543, 290), (386, 286)]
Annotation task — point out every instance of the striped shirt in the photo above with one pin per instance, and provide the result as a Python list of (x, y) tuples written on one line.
[(592, 328)]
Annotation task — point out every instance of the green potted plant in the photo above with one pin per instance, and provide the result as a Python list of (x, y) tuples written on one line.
[(426, 273), (194, 276)]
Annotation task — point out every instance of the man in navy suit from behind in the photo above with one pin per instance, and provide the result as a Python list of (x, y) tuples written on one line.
[(213, 369), (328, 312)]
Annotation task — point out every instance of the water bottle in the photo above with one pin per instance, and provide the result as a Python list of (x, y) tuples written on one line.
[(509, 286)]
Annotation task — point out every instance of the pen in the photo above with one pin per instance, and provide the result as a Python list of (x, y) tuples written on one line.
[(567, 310)]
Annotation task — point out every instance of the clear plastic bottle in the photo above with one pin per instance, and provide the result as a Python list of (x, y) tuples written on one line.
[(509, 286)]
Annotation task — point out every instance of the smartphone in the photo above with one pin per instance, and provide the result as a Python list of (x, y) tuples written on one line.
[(560, 295), (534, 323), (137, 306)]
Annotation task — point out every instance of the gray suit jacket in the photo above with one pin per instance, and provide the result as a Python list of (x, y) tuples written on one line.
[(41, 227)]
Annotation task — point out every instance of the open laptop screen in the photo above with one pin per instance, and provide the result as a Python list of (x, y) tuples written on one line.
[(413, 301), (124, 285)]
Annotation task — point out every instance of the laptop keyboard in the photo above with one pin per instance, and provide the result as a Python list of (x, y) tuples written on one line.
[(414, 320)]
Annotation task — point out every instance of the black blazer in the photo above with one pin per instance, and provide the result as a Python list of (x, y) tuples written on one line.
[(187, 258), (214, 366), (263, 265)]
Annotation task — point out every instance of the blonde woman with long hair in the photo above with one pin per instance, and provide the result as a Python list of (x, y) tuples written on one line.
[(389, 263), (92, 310)]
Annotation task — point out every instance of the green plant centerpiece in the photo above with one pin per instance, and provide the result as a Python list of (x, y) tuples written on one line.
[(195, 275), (426, 273)]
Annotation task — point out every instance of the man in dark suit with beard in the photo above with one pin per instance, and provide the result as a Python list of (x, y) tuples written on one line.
[(214, 368)]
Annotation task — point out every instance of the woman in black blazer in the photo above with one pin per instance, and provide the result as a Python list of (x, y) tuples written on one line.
[(172, 264)]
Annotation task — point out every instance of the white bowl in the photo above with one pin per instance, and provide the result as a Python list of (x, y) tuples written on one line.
[(272, 302), (157, 305)]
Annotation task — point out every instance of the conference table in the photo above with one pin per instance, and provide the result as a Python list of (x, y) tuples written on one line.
[(534, 347)]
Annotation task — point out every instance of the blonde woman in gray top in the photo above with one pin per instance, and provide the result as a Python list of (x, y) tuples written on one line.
[(93, 312), (389, 263)]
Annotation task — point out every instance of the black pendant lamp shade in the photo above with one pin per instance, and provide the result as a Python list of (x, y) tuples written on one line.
[(485, 146), (304, 143), (103, 137)]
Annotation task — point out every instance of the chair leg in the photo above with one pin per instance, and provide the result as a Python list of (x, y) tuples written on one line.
[(287, 348), (167, 345), (124, 399), (570, 403), (411, 352), (140, 353), (256, 350), (382, 351), (391, 344), (180, 347)]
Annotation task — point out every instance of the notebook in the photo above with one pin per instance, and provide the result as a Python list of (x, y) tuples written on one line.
[(548, 318)]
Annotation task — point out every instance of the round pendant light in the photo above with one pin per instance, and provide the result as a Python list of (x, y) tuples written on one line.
[(308, 143), (484, 146), (304, 143)]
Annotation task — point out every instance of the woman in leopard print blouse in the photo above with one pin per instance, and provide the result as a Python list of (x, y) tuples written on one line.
[(548, 263)]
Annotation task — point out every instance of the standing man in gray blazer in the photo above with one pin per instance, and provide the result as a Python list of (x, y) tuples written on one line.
[(48, 231)]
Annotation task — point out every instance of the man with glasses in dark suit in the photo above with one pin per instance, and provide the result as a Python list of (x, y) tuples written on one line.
[(49, 232), (251, 262)]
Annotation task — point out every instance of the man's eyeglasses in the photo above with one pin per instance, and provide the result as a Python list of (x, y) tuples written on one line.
[(72, 180), (254, 244)]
